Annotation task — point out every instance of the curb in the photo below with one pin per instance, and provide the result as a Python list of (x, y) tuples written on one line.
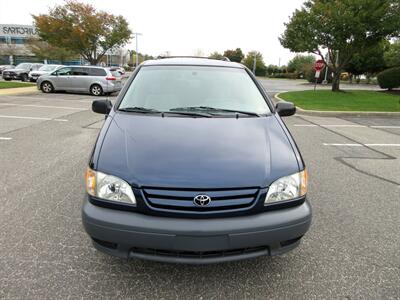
[(20, 90), (319, 113)]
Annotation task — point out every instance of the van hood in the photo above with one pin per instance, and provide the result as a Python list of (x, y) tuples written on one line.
[(185, 152)]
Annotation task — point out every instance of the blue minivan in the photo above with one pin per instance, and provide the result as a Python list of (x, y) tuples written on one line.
[(194, 165)]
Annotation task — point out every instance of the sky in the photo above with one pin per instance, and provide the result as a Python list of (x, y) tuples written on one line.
[(188, 27)]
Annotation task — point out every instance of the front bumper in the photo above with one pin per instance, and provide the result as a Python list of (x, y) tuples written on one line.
[(195, 241), (11, 76)]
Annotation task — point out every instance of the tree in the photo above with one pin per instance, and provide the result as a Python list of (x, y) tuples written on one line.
[(234, 55), (368, 61), (44, 50), (216, 55), (300, 64), (261, 69), (78, 27), (343, 28), (392, 54), (141, 57)]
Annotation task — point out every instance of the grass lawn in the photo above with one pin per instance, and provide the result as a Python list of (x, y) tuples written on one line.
[(13, 84), (345, 100)]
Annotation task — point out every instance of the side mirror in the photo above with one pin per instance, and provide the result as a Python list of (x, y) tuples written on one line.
[(285, 109), (102, 106)]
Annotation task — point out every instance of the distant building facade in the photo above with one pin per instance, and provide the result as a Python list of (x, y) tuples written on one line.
[(14, 49), (13, 40)]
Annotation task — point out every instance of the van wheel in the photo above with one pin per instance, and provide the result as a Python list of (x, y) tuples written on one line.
[(24, 77), (96, 90), (46, 87)]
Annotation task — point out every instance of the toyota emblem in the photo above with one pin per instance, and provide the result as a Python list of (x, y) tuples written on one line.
[(202, 200)]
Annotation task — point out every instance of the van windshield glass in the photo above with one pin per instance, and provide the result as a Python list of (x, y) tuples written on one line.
[(180, 88)]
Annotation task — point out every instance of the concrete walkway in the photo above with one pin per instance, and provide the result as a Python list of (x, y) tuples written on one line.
[(20, 90)]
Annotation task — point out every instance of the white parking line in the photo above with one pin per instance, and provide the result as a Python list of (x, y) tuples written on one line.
[(305, 125), (329, 125), (347, 125), (44, 106), (362, 145), (343, 125), (384, 126), (3, 138), (33, 118)]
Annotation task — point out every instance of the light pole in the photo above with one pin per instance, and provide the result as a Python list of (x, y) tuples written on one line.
[(254, 64), (137, 56), (326, 69)]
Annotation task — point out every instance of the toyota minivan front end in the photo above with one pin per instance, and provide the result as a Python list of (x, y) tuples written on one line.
[(194, 165)]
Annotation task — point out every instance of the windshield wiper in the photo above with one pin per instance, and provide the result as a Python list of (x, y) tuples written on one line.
[(144, 110), (188, 113), (139, 110), (214, 109)]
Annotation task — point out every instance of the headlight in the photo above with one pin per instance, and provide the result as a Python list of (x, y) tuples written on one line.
[(287, 188), (108, 187)]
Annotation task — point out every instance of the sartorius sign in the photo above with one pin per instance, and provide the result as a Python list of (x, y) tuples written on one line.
[(17, 30)]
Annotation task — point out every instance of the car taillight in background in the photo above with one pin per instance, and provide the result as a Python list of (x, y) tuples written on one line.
[(111, 78)]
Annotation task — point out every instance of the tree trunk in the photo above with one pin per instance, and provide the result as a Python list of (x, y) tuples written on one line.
[(335, 81)]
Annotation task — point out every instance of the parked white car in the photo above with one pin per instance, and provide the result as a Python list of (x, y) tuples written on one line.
[(46, 69)]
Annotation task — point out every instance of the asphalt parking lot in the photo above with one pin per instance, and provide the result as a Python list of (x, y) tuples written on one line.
[(351, 252)]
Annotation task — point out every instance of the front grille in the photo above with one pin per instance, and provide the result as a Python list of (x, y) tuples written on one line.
[(183, 200), (198, 255)]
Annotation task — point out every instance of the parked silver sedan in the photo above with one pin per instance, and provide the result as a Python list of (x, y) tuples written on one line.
[(95, 80)]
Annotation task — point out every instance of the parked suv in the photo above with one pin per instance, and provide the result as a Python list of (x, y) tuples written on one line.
[(20, 72), (84, 79), (5, 67), (194, 165)]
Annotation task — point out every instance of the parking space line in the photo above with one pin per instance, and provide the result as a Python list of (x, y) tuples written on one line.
[(33, 118), (305, 125), (43, 106), (348, 125), (3, 138), (384, 126), (330, 125), (343, 125), (361, 145)]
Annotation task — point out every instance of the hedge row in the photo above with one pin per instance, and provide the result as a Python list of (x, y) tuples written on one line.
[(390, 78)]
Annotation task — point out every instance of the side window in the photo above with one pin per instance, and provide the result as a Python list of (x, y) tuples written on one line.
[(97, 72), (64, 72), (80, 71)]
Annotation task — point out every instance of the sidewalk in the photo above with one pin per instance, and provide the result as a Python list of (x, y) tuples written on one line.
[(20, 90)]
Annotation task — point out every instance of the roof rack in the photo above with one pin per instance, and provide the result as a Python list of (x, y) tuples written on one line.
[(223, 58)]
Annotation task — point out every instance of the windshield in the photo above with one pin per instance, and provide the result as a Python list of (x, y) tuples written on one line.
[(48, 68), (23, 66), (165, 88)]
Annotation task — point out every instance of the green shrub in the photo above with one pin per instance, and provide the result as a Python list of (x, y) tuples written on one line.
[(390, 78)]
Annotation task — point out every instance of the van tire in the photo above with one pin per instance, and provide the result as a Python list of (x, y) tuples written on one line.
[(96, 90), (47, 87)]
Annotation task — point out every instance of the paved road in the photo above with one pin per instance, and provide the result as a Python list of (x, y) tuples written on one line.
[(351, 252)]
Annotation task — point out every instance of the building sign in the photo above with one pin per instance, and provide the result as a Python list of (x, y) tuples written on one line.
[(14, 30)]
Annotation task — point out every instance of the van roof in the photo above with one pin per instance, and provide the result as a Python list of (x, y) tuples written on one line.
[(192, 61)]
